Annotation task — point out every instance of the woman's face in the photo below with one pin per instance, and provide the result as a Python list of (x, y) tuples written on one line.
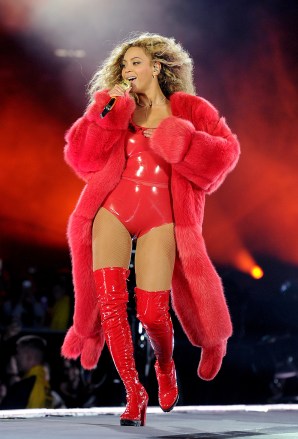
[(137, 66)]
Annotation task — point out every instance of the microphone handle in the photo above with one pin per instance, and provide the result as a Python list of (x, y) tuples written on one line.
[(108, 107), (125, 84)]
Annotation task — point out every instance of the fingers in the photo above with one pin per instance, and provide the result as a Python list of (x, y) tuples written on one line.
[(148, 132), (117, 90)]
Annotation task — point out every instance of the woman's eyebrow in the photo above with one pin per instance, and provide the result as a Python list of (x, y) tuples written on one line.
[(135, 57)]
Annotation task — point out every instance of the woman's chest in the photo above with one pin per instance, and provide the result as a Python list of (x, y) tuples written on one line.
[(151, 117)]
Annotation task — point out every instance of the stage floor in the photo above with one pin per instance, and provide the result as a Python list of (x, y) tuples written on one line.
[(225, 422)]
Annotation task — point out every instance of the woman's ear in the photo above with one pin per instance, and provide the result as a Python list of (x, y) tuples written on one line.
[(156, 67)]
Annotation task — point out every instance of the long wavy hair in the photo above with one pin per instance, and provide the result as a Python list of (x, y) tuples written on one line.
[(176, 65)]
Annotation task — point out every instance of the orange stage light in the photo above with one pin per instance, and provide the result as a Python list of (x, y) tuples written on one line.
[(246, 263), (257, 272)]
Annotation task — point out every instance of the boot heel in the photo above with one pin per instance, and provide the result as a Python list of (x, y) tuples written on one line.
[(136, 422), (135, 412), (143, 414)]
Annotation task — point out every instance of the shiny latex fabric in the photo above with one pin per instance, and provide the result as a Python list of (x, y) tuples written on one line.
[(153, 313), (112, 298), (167, 387), (143, 188)]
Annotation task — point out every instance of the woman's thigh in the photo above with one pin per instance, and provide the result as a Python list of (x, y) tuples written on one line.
[(155, 258), (111, 242)]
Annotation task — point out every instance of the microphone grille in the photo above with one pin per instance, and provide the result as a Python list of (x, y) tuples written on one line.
[(125, 84)]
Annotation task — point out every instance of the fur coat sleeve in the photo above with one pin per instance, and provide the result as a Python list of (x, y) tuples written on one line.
[(200, 146), (90, 139)]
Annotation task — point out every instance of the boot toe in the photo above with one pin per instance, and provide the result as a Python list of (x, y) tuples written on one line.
[(167, 402), (167, 388)]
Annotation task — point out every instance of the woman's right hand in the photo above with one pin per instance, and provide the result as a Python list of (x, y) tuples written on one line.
[(118, 90)]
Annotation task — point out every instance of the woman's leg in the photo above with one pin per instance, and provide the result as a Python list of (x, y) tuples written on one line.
[(111, 242), (111, 256), (155, 258), (154, 264)]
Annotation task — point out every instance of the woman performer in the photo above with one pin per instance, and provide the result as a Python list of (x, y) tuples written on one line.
[(148, 163)]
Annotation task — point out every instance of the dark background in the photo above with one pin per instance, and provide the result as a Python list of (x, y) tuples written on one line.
[(245, 55)]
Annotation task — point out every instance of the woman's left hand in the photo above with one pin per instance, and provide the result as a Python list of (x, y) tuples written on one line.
[(148, 132)]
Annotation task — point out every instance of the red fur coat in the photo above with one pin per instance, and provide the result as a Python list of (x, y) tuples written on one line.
[(202, 151)]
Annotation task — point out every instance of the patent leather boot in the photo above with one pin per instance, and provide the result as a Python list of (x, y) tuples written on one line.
[(153, 313), (112, 298)]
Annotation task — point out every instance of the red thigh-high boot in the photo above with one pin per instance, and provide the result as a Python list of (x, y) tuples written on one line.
[(153, 313), (112, 299)]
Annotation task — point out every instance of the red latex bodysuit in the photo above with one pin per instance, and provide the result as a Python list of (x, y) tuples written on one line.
[(141, 200)]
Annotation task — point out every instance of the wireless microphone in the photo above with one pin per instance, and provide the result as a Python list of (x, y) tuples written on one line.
[(125, 84)]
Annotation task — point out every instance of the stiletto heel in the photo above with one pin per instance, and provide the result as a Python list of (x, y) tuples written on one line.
[(143, 415)]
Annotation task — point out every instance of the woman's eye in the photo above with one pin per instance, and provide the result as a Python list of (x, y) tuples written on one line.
[(133, 63)]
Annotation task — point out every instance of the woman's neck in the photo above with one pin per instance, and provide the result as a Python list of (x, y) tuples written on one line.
[(151, 100)]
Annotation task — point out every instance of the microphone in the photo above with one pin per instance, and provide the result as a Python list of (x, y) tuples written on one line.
[(125, 84)]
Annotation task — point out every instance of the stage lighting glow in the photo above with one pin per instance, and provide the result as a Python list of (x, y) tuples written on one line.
[(70, 53), (257, 272), (246, 263)]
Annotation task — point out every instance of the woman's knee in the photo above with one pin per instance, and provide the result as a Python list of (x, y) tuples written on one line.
[(152, 306)]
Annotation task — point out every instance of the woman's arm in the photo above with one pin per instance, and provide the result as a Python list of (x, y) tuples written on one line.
[(205, 155), (90, 139)]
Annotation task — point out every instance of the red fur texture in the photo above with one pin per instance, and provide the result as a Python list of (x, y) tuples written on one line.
[(202, 151)]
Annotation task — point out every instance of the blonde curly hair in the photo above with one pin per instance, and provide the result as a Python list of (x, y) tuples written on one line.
[(176, 65)]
